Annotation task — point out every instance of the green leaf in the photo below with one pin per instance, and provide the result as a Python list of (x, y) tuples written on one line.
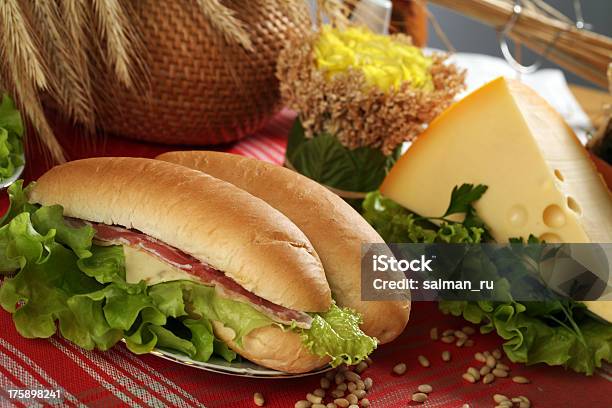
[(10, 119), (336, 333), (324, 159), (202, 338), (11, 132), (18, 201), (106, 264), (462, 198)]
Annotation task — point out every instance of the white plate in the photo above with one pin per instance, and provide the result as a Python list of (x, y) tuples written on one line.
[(244, 368)]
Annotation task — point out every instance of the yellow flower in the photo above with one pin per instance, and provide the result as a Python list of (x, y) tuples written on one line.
[(385, 61)]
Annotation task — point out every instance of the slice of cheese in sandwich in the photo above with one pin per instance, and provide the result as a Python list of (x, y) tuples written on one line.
[(541, 180)]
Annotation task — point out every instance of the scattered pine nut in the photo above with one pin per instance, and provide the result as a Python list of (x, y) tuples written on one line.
[(491, 362), (353, 406), (474, 372), (352, 399), (317, 406), (360, 385), (525, 403), (258, 399), (330, 405), (337, 393), (319, 392), (359, 393), (497, 354), (461, 341), (365, 402), (399, 369), (499, 398), (330, 375), (433, 333), (465, 406), (342, 387), (468, 330), (480, 357), (484, 370), (325, 383), (469, 343), (351, 386), (486, 353), (425, 388), (459, 334), (341, 402), (352, 376), (361, 367), (469, 378), (448, 332), (448, 339), (446, 355), (339, 378), (488, 379), (368, 383), (502, 366), (498, 372), (419, 397), (302, 404), (313, 398), (423, 361), (368, 360), (343, 368), (519, 379)]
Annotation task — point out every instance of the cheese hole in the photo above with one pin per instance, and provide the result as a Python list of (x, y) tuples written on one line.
[(558, 175), (553, 216), (550, 238), (573, 205)]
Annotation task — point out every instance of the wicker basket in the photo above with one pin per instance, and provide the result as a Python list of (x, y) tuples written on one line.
[(202, 90)]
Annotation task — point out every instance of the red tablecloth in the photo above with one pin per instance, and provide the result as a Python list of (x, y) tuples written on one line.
[(118, 377)]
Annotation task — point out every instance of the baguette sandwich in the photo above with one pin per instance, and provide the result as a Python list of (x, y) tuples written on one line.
[(169, 257), (335, 229)]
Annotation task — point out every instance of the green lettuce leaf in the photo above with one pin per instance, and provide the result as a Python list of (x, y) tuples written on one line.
[(11, 132), (336, 334)]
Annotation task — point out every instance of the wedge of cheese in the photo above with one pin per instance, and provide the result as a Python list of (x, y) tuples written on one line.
[(541, 180)]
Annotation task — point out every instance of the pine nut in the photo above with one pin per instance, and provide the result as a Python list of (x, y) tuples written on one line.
[(317, 406), (368, 383), (365, 402), (486, 353), (423, 361), (499, 398), (325, 383), (419, 397), (497, 354), (447, 332), (498, 372), (474, 372), (399, 369), (461, 342), (330, 405), (469, 343), (313, 398), (352, 399), (491, 362), (460, 335), (469, 378), (319, 392), (465, 406), (353, 406), (361, 367), (343, 368), (352, 386), (302, 404), (342, 387), (468, 330), (505, 404), (330, 375), (360, 385), (369, 361), (484, 370), (502, 366), (425, 388), (448, 339), (339, 378), (341, 402), (433, 333), (480, 357), (488, 379), (359, 393), (337, 393), (516, 399), (352, 376), (525, 403), (446, 356), (258, 399), (519, 379)]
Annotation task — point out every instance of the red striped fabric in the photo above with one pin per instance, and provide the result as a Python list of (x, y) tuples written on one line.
[(120, 378)]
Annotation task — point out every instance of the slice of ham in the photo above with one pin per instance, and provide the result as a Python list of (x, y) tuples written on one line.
[(205, 274)]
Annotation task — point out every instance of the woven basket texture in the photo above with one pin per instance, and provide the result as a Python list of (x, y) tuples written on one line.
[(202, 90)]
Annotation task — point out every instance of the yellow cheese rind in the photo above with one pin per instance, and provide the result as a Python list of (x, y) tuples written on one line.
[(140, 265), (541, 180)]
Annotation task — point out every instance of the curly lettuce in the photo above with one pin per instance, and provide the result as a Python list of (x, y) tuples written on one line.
[(62, 281), (11, 133)]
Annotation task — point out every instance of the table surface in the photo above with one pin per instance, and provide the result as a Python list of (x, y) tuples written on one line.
[(117, 377)]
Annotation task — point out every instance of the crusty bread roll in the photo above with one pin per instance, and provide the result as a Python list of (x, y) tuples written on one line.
[(335, 229), (272, 347), (212, 220)]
